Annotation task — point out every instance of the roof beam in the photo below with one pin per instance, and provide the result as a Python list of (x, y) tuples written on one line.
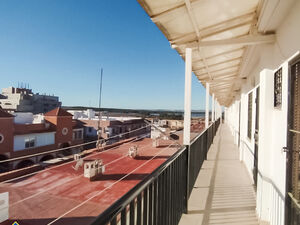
[(226, 68), (220, 63), (220, 84), (225, 79), (243, 40), (167, 13), (219, 88), (220, 75), (221, 54), (189, 37), (218, 28), (228, 78), (196, 28)]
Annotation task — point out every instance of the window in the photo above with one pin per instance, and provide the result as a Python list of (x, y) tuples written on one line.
[(278, 88), (29, 142), (77, 134), (249, 132), (65, 131), (90, 129), (1, 138)]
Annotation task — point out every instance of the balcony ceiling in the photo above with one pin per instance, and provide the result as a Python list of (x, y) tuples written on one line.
[(219, 32)]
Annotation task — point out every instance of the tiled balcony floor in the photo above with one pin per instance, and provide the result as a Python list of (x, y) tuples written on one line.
[(223, 193)]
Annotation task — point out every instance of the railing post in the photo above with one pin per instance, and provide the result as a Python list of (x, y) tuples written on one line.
[(187, 178)]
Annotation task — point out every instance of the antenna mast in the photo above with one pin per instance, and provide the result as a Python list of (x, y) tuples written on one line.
[(99, 107)]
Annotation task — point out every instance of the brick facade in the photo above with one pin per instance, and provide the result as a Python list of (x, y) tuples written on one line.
[(6, 132)]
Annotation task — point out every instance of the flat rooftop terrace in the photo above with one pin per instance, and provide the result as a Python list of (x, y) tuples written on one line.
[(62, 195)]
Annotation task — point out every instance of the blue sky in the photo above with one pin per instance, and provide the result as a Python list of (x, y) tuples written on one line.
[(59, 46)]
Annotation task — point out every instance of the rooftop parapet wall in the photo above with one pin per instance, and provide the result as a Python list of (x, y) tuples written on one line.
[(32, 128)]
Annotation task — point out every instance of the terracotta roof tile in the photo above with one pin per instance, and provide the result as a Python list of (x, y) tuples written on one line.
[(58, 112)]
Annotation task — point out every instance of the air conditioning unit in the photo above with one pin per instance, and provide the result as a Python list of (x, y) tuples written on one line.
[(155, 143), (93, 169), (77, 157), (133, 151)]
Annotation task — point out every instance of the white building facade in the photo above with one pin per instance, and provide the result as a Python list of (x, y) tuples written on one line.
[(259, 118), (33, 140)]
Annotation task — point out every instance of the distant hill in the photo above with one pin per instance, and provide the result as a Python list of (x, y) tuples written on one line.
[(161, 113)]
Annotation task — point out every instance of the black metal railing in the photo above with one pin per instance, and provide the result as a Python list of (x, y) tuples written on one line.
[(294, 210), (161, 198), (198, 152)]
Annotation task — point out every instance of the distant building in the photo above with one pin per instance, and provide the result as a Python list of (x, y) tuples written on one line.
[(24, 134), (112, 128), (24, 100), (172, 124)]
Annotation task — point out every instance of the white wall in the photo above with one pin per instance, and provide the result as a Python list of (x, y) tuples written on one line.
[(260, 68), (90, 131), (41, 139), (23, 118), (273, 137), (80, 114)]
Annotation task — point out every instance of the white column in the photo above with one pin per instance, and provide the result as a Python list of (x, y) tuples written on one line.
[(213, 108), (187, 96), (207, 106), (220, 110), (220, 114), (217, 110)]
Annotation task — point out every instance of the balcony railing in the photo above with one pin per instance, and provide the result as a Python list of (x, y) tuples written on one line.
[(161, 198), (293, 209), (198, 152)]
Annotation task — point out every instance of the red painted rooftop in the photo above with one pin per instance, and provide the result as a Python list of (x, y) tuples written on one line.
[(53, 192)]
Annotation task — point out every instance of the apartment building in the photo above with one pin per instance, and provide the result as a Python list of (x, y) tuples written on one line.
[(24, 100), (22, 135)]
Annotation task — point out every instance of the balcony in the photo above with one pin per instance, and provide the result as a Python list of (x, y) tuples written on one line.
[(214, 195), (223, 192)]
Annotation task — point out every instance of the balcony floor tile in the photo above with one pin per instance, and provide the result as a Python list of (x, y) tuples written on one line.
[(223, 192)]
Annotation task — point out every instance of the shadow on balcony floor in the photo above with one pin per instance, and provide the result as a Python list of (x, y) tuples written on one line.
[(223, 193)]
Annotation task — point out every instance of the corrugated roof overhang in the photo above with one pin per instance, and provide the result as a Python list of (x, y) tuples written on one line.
[(219, 32)]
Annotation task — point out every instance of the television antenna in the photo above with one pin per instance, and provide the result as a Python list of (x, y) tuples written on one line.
[(99, 107)]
